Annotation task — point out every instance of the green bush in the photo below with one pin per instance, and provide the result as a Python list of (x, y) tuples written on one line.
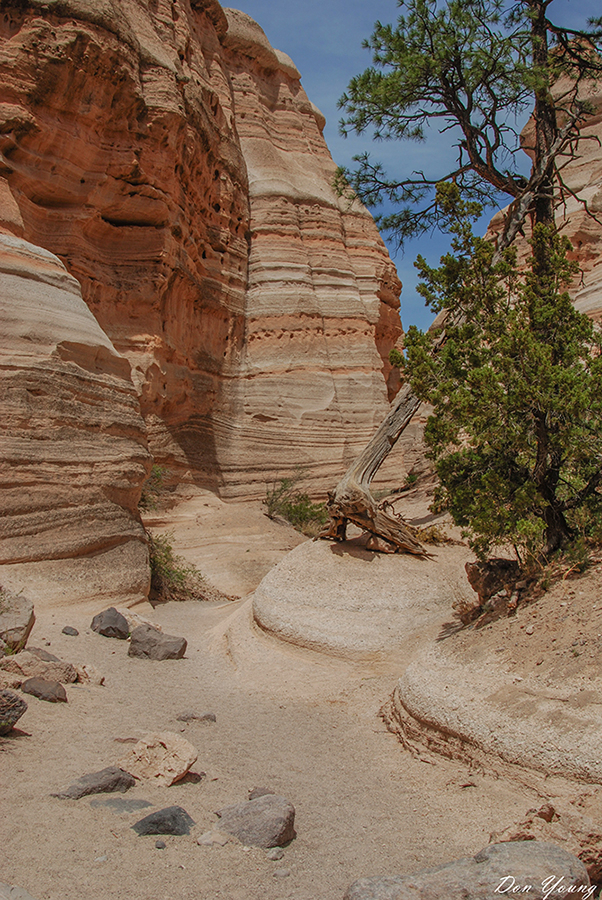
[(284, 499), (173, 577), (152, 488)]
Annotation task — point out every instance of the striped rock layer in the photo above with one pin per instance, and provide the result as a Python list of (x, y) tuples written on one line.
[(170, 158)]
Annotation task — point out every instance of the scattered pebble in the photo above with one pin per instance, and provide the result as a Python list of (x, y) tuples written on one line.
[(160, 845), (529, 629), (209, 838), (281, 873), (71, 631), (101, 858), (189, 715), (275, 853)]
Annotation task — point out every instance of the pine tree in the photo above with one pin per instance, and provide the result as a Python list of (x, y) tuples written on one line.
[(516, 432)]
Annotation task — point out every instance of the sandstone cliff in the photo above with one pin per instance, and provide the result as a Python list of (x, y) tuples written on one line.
[(73, 446), (168, 155), (581, 223)]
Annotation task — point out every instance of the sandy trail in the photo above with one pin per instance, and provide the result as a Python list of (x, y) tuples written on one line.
[(303, 724)]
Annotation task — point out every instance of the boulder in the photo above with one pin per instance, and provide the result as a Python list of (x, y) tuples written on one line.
[(16, 619), (88, 674), (52, 691), (31, 664), (171, 820), (267, 821), (490, 577), (533, 869), (163, 757), (12, 708), (574, 828), (107, 781), (148, 643), (111, 623)]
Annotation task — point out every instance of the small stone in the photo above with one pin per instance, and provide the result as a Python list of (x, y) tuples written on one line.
[(111, 623), (529, 629), (260, 792), (147, 642), (160, 845), (88, 674), (12, 892), (43, 654), (265, 822), (281, 873), (275, 853), (209, 838), (12, 708), (189, 715), (16, 619), (163, 757), (68, 629), (107, 781), (52, 691), (171, 820), (101, 858)]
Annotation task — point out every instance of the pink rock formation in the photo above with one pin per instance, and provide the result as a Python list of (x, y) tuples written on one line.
[(170, 158), (73, 448), (581, 224), (322, 294)]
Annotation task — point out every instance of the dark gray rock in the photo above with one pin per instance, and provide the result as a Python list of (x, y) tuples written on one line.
[(148, 643), (107, 781), (171, 820), (12, 708), (52, 691), (265, 822), (160, 845), (12, 892), (189, 715), (530, 869), (44, 655), (68, 629), (111, 623), (121, 804), (16, 619)]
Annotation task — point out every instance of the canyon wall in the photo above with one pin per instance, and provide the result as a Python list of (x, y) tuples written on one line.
[(168, 155), (73, 451)]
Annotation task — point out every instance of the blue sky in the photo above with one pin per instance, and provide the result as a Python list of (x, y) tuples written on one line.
[(324, 39)]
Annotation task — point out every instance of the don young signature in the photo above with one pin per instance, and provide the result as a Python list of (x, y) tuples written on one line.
[(552, 885)]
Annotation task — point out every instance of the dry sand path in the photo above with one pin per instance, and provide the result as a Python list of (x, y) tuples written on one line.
[(301, 723)]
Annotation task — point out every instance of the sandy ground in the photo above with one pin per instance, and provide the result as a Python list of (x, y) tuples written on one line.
[(304, 724)]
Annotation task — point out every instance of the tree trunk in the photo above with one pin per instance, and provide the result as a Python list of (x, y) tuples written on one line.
[(351, 501)]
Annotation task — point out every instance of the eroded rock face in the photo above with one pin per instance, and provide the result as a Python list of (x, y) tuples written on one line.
[(322, 296), (170, 157), (73, 447), (583, 177)]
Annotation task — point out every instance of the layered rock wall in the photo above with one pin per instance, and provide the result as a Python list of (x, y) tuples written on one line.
[(171, 159), (73, 452)]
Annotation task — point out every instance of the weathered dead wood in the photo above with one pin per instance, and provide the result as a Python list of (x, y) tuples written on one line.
[(351, 501)]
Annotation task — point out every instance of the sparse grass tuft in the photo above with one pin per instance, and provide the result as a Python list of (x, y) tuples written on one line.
[(152, 488), (284, 499), (173, 577)]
